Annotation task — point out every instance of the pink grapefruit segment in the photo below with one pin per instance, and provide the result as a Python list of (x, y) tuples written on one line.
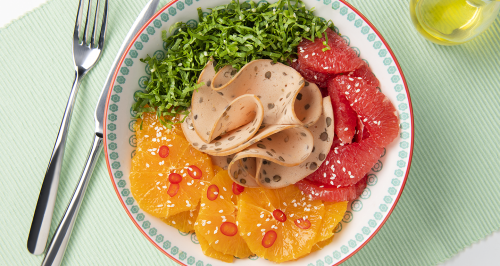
[(344, 116), (378, 114), (345, 165), (318, 78), (329, 193), (339, 59), (365, 73)]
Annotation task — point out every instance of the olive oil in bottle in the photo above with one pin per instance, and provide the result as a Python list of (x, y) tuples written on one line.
[(450, 22)]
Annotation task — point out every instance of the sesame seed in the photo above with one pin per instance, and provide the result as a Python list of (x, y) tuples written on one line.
[(262, 215), (173, 222), (262, 230), (209, 222), (314, 54), (224, 188), (327, 162), (258, 225), (249, 233), (203, 204), (306, 56), (343, 169), (221, 211), (216, 241), (284, 203), (267, 220)]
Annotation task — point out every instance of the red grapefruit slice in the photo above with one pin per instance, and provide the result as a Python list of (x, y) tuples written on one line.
[(339, 59), (318, 78), (365, 73), (332, 193), (378, 114), (345, 165), (345, 118)]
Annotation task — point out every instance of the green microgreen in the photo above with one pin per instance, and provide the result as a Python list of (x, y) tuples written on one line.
[(232, 34)]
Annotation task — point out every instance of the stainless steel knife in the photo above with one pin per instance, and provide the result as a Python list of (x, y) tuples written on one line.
[(61, 237)]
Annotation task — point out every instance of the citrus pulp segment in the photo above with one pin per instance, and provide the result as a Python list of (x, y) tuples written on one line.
[(183, 221), (279, 224), (217, 219), (211, 252), (334, 211), (167, 174)]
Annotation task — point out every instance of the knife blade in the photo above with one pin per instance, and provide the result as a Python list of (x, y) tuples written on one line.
[(59, 242)]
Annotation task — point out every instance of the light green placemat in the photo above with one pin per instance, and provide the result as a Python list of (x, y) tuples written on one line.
[(451, 199)]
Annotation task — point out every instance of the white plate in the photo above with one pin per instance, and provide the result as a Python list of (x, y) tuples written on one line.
[(364, 217)]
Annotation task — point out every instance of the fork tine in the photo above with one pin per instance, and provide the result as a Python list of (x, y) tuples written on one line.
[(104, 25), (78, 21), (92, 41), (87, 23)]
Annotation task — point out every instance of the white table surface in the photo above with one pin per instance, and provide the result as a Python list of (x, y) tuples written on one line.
[(486, 252)]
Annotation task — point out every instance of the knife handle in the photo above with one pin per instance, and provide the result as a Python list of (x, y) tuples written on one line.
[(42, 218), (57, 247)]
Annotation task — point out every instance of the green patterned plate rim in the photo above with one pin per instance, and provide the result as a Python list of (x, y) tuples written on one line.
[(365, 215)]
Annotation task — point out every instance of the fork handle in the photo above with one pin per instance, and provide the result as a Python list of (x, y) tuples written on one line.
[(60, 240), (40, 226)]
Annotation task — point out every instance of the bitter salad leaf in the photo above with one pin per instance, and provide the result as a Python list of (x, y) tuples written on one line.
[(232, 34)]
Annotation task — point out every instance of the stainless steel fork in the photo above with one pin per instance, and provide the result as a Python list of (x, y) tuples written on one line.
[(85, 56)]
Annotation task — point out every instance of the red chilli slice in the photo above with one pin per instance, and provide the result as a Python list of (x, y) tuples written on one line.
[(194, 172), (279, 215), (173, 189), (174, 178), (237, 188), (303, 223), (212, 192), (269, 239), (164, 151), (228, 229)]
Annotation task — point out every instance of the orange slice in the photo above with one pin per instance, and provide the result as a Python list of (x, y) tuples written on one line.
[(151, 127), (280, 224), (211, 252), (167, 175), (183, 221), (334, 211), (217, 169), (217, 218), (321, 244)]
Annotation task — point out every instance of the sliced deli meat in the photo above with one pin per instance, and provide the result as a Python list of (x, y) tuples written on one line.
[(264, 113)]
